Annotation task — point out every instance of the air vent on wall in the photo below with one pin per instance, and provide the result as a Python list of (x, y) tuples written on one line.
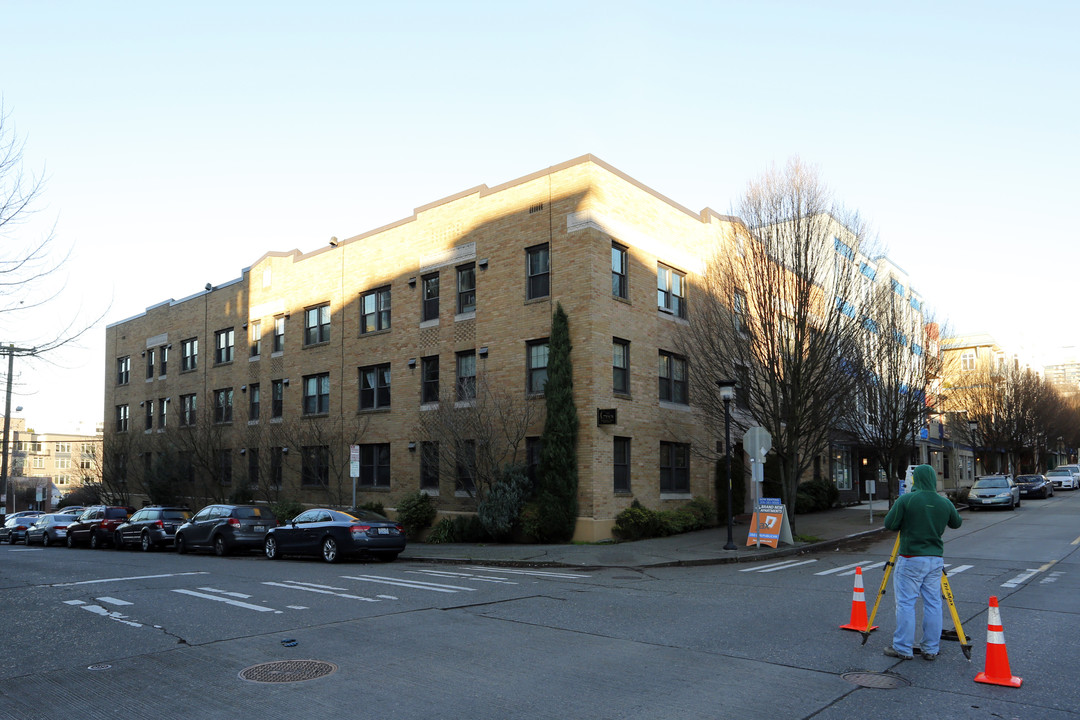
[(536, 208)]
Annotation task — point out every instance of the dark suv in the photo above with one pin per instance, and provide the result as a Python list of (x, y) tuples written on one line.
[(151, 527), (96, 525), (225, 528)]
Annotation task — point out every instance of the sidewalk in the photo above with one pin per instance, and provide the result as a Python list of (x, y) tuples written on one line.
[(704, 547)]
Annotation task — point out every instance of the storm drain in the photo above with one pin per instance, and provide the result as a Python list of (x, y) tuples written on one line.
[(287, 671), (882, 681)]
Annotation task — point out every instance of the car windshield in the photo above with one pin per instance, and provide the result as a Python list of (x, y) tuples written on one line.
[(368, 515), (1028, 478), (252, 512), (991, 483), (175, 515), (1059, 472), (116, 514)]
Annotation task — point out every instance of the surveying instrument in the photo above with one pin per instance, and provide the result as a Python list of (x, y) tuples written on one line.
[(946, 592)]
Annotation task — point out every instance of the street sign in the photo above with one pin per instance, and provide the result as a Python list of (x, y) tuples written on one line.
[(757, 442)]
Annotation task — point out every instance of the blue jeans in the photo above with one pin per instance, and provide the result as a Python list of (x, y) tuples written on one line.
[(917, 576)]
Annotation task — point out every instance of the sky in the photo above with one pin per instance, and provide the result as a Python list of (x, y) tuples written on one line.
[(181, 141)]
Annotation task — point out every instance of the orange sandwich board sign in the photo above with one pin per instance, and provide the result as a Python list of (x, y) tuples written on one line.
[(769, 525)]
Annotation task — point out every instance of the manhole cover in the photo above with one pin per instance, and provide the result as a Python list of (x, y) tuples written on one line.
[(883, 681), (287, 671)]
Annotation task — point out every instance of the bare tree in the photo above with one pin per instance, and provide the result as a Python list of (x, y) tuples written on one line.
[(322, 445)]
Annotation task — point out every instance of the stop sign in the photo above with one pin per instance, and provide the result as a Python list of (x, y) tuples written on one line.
[(757, 442)]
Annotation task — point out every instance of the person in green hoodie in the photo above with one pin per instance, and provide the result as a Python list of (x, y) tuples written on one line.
[(921, 517)]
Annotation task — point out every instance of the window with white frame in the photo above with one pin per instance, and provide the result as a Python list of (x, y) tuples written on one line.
[(671, 291)]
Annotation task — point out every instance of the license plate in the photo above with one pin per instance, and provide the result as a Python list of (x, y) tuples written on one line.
[(987, 501), (384, 531), (258, 528)]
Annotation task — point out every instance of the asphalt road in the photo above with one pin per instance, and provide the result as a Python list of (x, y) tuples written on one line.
[(111, 634)]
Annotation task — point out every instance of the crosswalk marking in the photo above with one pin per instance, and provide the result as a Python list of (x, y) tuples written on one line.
[(320, 589), (112, 601), (227, 601), (784, 565), (1021, 578), (533, 573), (414, 584), (242, 596), (958, 569), (840, 569), (123, 579), (478, 578)]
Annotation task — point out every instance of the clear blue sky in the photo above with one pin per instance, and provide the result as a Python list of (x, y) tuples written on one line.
[(182, 141)]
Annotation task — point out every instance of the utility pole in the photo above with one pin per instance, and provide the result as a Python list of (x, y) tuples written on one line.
[(11, 351)]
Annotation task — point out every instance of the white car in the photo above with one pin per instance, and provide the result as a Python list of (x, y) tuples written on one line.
[(1063, 478)]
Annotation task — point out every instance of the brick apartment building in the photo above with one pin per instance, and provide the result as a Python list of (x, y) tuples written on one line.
[(355, 339), (49, 464)]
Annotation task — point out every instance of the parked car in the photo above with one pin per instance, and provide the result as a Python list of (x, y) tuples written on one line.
[(334, 534), (49, 529), (226, 528), (994, 491), (15, 526), (96, 525), (1063, 479), (1035, 486), (151, 527), (75, 510)]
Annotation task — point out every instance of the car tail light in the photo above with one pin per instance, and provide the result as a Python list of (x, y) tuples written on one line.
[(359, 529), (60, 527), (159, 525), (400, 528), (234, 522)]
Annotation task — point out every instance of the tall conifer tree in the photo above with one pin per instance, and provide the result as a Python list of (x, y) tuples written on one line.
[(557, 474)]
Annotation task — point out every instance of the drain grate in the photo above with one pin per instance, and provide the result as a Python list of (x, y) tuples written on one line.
[(287, 671), (882, 681)]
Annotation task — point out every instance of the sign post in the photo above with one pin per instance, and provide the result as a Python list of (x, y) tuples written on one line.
[(354, 469), (757, 441)]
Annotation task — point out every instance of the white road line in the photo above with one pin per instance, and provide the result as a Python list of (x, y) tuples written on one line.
[(788, 567), (777, 565), (871, 566), (123, 579), (227, 601), (842, 568), (1022, 578), (534, 573), (320, 591), (1052, 577), (98, 610), (74, 602), (958, 569), (414, 584), (242, 596), (478, 578), (112, 601)]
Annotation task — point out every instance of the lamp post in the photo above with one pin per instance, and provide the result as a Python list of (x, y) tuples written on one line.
[(973, 427), (727, 392)]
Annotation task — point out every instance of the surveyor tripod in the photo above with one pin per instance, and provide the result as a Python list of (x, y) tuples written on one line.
[(946, 592)]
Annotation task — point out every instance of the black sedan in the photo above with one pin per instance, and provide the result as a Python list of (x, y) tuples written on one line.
[(1035, 486), (334, 534)]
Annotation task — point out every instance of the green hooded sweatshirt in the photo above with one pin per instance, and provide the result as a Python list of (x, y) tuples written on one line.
[(921, 515)]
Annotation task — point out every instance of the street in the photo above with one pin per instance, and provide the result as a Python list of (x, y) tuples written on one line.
[(111, 634)]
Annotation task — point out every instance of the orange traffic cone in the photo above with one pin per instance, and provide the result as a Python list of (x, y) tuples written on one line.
[(858, 620), (997, 657)]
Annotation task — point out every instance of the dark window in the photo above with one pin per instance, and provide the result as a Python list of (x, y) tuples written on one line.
[(189, 354), (466, 375), (223, 342), (537, 271), (317, 394), (164, 354), (429, 465), (619, 287), (375, 387), (536, 363), (163, 412), (254, 401), (430, 287), (742, 387), (121, 418), (277, 398), (279, 334), (253, 467), (429, 379), (621, 464), (149, 364), (277, 462), (375, 465), (123, 370), (673, 386), (256, 338), (466, 466), (674, 467), (224, 467), (375, 310), (315, 465), (223, 402), (620, 366), (149, 414), (466, 288), (187, 410), (738, 312), (317, 324), (671, 291)]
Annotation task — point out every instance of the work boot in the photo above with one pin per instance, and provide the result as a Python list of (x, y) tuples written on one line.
[(891, 652)]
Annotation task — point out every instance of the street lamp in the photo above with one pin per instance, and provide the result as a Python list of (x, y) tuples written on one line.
[(727, 393), (973, 427)]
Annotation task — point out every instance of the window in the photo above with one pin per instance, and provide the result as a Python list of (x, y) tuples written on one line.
[(466, 375), (674, 467), (187, 410), (163, 353), (537, 271), (223, 346), (62, 447), (620, 366), (277, 398), (149, 414), (277, 458), (621, 464), (466, 288), (375, 310), (536, 363), (279, 334), (466, 466), (123, 370), (429, 379), (673, 378), (223, 402), (315, 465), (671, 291), (429, 466), (375, 387), (534, 446), (189, 354), (163, 413), (619, 286), (317, 325), (742, 387), (63, 463), (375, 465), (255, 332), (254, 402), (121, 418), (224, 467), (149, 364), (317, 394), (253, 467), (967, 360), (738, 310), (429, 285)]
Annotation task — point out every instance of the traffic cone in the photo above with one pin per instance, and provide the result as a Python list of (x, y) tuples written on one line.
[(858, 620), (997, 657)]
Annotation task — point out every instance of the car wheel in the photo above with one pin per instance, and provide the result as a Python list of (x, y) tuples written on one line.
[(329, 549), (181, 546), (11, 539), (70, 541), (145, 543), (95, 541), (118, 541), (45, 539), (220, 548), (271, 547)]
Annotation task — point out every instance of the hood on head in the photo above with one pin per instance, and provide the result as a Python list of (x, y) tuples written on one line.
[(924, 477)]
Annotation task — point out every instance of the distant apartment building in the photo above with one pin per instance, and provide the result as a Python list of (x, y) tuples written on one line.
[(49, 464)]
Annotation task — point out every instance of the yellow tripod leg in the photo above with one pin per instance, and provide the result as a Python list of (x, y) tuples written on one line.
[(946, 592), (881, 591)]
